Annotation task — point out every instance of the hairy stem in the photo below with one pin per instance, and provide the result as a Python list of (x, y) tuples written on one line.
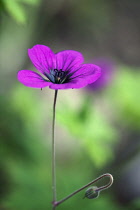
[(53, 154)]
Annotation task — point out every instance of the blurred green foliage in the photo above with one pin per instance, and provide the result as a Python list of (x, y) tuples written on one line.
[(28, 161), (98, 126), (30, 176), (91, 124), (16, 9), (126, 96)]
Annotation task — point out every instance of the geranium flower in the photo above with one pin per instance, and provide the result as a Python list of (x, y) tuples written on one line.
[(62, 70)]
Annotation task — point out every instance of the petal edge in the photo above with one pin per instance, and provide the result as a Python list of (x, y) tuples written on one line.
[(42, 58), (31, 79), (68, 60)]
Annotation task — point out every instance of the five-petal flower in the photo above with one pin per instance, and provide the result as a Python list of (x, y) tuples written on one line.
[(62, 70)]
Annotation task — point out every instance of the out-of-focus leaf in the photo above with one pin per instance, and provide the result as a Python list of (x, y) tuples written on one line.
[(92, 129), (125, 95), (16, 10)]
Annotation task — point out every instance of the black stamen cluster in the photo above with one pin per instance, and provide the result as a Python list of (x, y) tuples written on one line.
[(58, 76)]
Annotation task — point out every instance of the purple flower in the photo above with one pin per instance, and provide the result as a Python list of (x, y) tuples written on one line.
[(107, 68), (62, 70)]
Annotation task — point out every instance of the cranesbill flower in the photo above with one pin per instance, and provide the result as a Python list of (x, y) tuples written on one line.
[(62, 70)]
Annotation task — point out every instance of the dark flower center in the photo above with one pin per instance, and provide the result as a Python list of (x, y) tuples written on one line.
[(58, 76)]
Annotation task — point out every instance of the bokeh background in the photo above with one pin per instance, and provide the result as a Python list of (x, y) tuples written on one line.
[(97, 127)]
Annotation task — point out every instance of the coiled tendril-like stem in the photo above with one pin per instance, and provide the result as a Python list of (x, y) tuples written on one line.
[(55, 203), (87, 185)]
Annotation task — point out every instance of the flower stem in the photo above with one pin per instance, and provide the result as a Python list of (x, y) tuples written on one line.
[(55, 203), (53, 154), (87, 185)]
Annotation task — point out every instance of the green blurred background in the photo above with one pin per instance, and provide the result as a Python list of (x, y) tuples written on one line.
[(97, 129)]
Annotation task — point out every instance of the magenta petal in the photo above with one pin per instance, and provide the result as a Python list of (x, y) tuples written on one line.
[(42, 57), (85, 75), (88, 72), (68, 60), (32, 79), (75, 84)]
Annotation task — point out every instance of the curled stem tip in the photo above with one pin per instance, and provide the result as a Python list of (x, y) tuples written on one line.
[(107, 185), (95, 191)]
